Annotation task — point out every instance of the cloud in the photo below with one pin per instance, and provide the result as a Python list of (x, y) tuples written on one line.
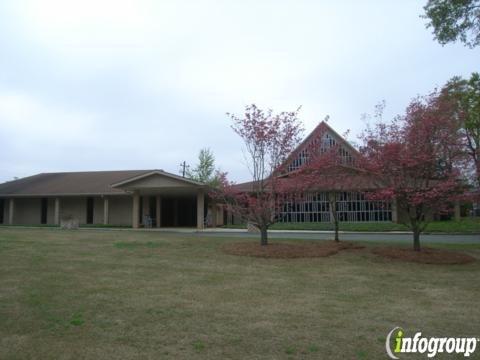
[(27, 118), (112, 84)]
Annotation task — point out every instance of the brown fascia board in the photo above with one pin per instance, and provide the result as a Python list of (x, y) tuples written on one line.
[(158, 172), (59, 195)]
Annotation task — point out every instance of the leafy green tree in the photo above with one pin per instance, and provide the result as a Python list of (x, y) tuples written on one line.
[(466, 94), (205, 170), (454, 20)]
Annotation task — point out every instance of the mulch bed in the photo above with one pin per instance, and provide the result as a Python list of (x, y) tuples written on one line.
[(289, 250), (424, 256)]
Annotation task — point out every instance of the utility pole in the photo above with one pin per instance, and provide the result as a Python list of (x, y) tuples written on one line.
[(183, 167)]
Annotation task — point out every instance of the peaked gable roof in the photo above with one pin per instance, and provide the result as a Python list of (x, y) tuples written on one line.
[(153, 173), (320, 130), (363, 180), (77, 183)]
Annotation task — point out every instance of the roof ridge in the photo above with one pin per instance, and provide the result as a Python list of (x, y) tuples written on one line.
[(94, 171)]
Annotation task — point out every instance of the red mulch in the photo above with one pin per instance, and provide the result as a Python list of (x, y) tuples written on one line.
[(289, 251), (424, 256)]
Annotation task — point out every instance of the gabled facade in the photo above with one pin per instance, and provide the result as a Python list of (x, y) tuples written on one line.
[(352, 206), (321, 139)]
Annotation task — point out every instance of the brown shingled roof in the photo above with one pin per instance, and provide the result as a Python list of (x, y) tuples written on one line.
[(336, 178), (69, 183)]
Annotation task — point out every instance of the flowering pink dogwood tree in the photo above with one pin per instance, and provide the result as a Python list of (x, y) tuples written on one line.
[(268, 139), (419, 158)]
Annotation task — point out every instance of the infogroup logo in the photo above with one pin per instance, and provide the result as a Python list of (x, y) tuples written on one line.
[(429, 346)]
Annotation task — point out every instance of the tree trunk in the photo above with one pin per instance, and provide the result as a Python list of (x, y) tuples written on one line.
[(416, 239), (332, 198), (263, 235)]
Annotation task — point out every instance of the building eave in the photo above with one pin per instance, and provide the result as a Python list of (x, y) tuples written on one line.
[(156, 172)]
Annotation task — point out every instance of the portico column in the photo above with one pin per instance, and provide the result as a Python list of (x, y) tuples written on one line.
[(11, 210), (200, 210), (158, 211), (135, 210), (105, 211), (56, 214)]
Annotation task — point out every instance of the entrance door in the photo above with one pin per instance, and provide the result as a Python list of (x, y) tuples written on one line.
[(179, 211)]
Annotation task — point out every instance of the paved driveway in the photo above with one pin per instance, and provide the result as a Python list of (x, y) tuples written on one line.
[(352, 236)]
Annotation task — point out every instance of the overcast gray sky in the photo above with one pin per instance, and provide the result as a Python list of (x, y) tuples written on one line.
[(105, 85)]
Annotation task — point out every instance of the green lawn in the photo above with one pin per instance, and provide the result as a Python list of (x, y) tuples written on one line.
[(150, 295), (466, 226)]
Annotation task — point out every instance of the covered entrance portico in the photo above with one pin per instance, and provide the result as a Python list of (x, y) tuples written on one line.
[(164, 200)]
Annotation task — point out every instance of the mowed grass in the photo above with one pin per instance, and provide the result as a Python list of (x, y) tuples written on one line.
[(151, 295)]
